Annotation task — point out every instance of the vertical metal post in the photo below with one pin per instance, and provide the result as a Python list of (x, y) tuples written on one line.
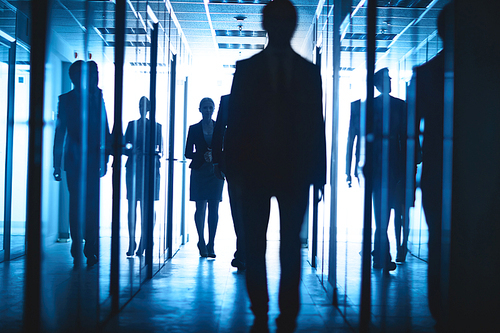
[(120, 8), (151, 152), (32, 297), (367, 171), (338, 16), (170, 182), (9, 151), (185, 236)]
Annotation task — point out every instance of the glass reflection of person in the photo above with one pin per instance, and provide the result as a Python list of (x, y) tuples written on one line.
[(136, 138), (85, 155), (205, 188)]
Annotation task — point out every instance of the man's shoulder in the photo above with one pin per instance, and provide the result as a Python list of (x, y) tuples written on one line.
[(436, 63), (69, 95)]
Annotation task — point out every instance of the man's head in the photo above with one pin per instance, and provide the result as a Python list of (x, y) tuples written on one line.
[(144, 106), (93, 73), (382, 81), (443, 19), (75, 73), (279, 19)]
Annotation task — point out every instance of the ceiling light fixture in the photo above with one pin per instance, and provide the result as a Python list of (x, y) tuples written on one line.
[(240, 19)]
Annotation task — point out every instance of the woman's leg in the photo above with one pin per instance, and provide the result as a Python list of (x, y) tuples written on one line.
[(199, 219), (132, 218), (213, 219)]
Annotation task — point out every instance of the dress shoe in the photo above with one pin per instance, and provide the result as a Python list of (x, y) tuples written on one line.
[(91, 261), (238, 264), (259, 326), (390, 266), (401, 254)]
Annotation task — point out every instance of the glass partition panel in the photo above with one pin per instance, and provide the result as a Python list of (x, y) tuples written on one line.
[(20, 152), (350, 189), (77, 173), (4, 86)]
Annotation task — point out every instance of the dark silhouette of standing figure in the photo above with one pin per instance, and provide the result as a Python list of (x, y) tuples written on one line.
[(86, 153), (275, 146), (389, 127), (428, 80), (205, 188), (136, 148), (233, 190), (353, 134)]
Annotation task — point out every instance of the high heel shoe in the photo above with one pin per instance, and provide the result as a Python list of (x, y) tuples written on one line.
[(210, 250), (130, 252), (203, 249)]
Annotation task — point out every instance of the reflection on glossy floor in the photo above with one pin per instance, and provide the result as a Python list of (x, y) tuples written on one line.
[(193, 294)]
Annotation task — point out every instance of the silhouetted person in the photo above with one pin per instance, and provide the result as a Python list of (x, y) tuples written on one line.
[(353, 134), (85, 155), (205, 188), (233, 190), (389, 149), (275, 146), (136, 148), (428, 80)]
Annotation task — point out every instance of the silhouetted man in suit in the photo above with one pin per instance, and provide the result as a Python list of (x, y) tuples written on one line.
[(234, 192), (275, 146), (389, 127), (428, 81), (85, 155)]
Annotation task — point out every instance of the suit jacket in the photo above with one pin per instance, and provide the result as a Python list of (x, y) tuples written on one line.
[(275, 131), (218, 153), (429, 81), (69, 132), (196, 146), (396, 138), (135, 135)]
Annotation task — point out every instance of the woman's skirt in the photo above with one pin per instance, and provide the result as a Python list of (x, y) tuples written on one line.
[(130, 178), (204, 185)]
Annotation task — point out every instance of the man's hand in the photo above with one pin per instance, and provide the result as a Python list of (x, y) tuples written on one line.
[(103, 170), (349, 180), (218, 173), (57, 174)]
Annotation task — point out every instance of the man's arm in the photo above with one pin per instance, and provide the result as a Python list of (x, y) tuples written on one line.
[(352, 134), (218, 137), (59, 136)]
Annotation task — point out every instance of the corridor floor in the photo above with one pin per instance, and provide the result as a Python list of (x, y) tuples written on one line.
[(193, 294)]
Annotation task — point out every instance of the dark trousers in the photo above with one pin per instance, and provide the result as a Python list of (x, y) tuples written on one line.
[(83, 212), (292, 202), (382, 212), (432, 203), (236, 212)]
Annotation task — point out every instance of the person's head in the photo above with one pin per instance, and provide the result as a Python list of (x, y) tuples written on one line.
[(75, 73), (443, 18), (144, 106), (93, 73), (207, 107), (382, 81), (279, 19)]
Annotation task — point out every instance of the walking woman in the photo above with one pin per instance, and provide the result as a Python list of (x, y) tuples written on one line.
[(205, 188)]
